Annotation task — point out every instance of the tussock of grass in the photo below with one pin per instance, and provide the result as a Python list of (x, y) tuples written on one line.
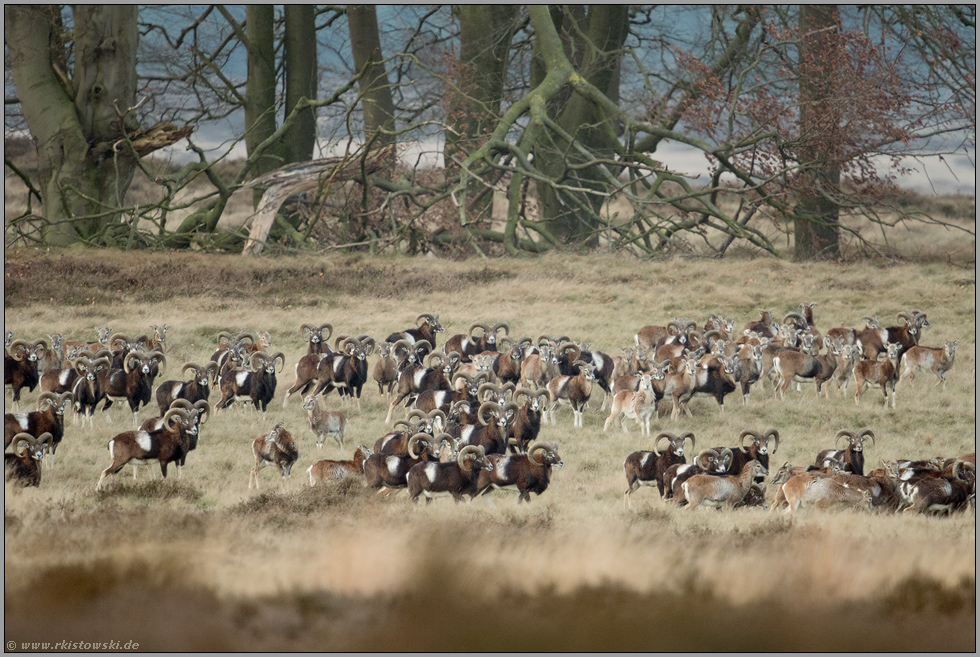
[(924, 594), (149, 491)]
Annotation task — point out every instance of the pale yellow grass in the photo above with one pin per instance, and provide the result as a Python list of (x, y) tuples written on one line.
[(247, 545)]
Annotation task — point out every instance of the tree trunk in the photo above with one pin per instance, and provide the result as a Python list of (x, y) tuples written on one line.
[(377, 105), (301, 79), (75, 122), (485, 33), (260, 88), (817, 232), (596, 57)]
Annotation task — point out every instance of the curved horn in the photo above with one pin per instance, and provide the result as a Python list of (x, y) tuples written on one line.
[(434, 359), (20, 438), (65, 397), (193, 366), (477, 325), (726, 457), (511, 406), (458, 406), (102, 353), (487, 387), (414, 440), (82, 364), (403, 343), (100, 362), (260, 357), (416, 414), (663, 434), (428, 317), (688, 434), (281, 357), (522, 393), (160, 358), (466, 452), (447, 438), (245, 335), (182, 403), (225, 336), (329, 328), (116, 337), (23, 344), (422, 344), (45, 439), (305, 328), (772, 434), (797, 316), (701, 459), (172, 413), (569, 346), (49, 397), (745, 434), (437, 413), (126, 361), (534, 448), (484, 407), (348, 345), (843, 433), (204, 409), (500, 325), (868, 433)]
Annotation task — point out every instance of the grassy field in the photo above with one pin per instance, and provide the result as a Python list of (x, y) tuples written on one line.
[(206, 564)]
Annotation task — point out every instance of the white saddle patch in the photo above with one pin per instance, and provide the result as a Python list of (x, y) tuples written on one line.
[(63, 377), (431, 472), (417, 377), (144, 441), (464, 436), (500, 468), (240, 378)]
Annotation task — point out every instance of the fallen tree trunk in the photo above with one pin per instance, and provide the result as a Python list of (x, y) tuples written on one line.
[(303, 177)]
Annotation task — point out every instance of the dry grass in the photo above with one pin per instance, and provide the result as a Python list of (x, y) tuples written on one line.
[(338, 568)]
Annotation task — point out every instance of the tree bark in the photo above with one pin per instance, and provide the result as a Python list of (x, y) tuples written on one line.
[(817, 232), (377, 105), (260, 88), (592, 42), (485, 33), (301, 80), (76, 121)]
